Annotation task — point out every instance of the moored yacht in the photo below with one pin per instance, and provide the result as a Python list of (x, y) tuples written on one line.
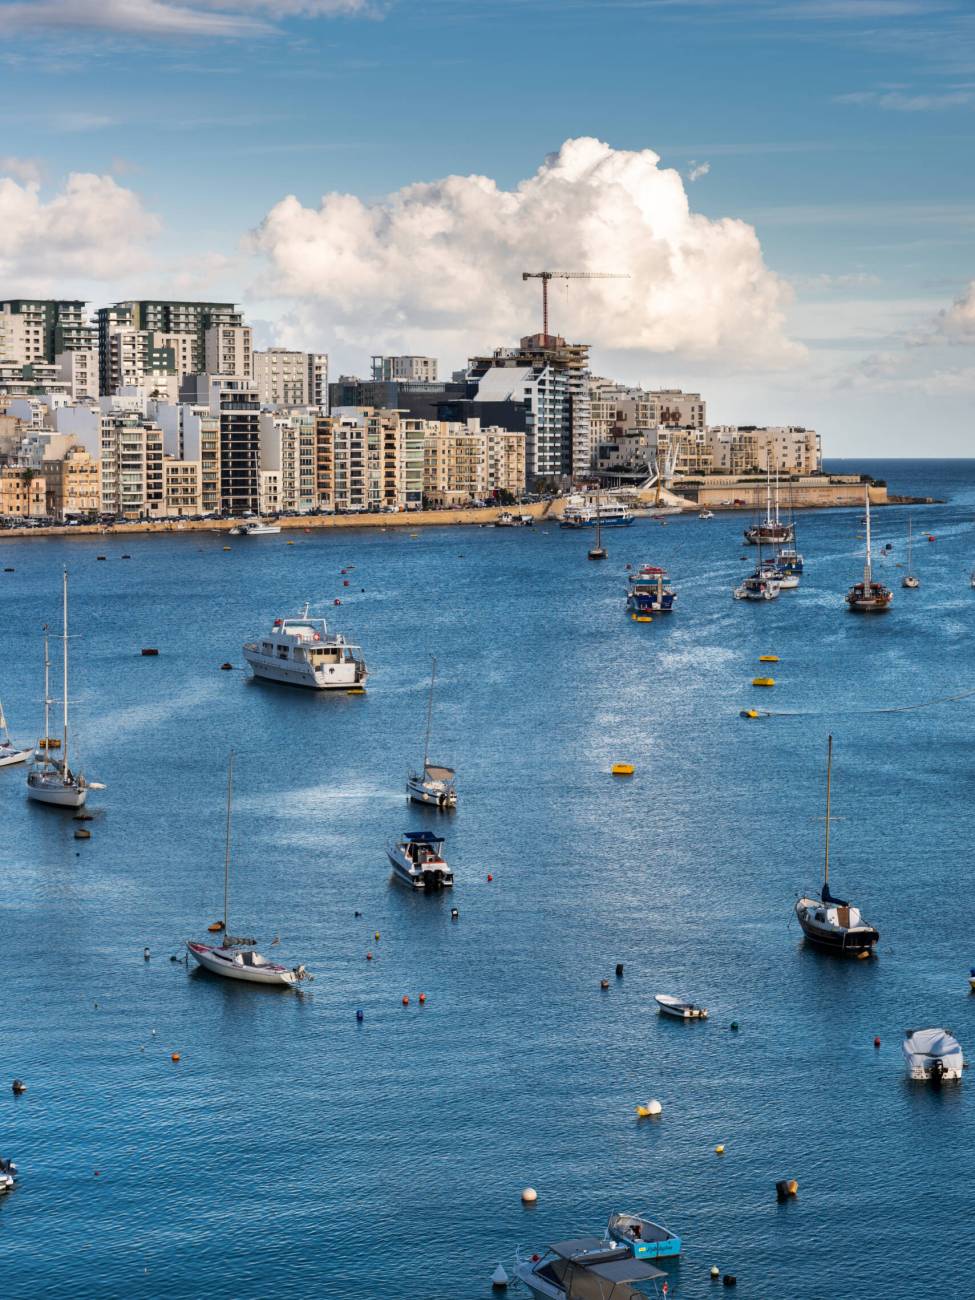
[(300, 651), (829, 921), (254, 528), (650, 592), (770, 531), (910, 579), (932, 1055), (587, 1268), (760, 585), (9, 752), (868, 596), (434, 784), (582, 513), (417, 860)]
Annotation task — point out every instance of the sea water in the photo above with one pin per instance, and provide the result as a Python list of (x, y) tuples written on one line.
[(293, 1151)]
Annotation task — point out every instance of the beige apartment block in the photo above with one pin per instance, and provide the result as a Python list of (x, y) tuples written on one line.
[(23, 493), (181, 480), (228, 350), (133, 480), (288, 448), (464, 463), (74, 485), (739, 449), (270, 493), (360, 460)]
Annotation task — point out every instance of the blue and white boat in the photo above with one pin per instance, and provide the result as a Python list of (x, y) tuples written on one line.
[(789, 561), (417, 860), (581, 512), (646, 1239), (786, 577), (650, 592)]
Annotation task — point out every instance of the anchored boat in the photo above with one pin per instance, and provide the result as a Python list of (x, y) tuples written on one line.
[(650, 592), (580, 513), (236, 958), (257, 528), (760, 585), (910, 580), (587, 1268), (434, 784), (869, 597), (829, 921), (678, 1008), (770, 531), (932, 1055), (417, 860), (301, 652), (646, 1239), (9, 752)]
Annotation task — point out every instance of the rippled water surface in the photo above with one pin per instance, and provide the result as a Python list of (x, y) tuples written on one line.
[(293, 1152)]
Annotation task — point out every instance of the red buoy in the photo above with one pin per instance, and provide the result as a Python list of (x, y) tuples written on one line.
[(423, 998), (490, 877), (406, 1000), (876, 1042), (368, 956), (337, 601)]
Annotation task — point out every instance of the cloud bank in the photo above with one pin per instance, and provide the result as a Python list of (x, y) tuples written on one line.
[(92, 228), (437, 265), (162, 18)]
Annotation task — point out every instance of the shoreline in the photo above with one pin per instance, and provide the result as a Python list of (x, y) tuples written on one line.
[(475, 516)]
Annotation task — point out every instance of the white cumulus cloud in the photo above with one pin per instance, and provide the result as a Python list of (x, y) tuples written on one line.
[(21, 169), (696, 170), (957, 322), (93, 228), (436, 266)]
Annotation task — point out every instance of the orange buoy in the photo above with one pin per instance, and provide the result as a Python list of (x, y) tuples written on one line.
[(215, 927), (876, 1042), (368, 956), (423, 998), (406, 1000), (175, 1056)]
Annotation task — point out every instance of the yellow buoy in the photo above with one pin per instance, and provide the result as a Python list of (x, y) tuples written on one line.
[(750, 713), (355, 690), (622, 769), (719, 1149), (641, 618), (763, 681), (768, 659), (226, 548)]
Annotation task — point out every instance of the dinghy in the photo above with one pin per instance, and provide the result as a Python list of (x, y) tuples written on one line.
[(646, 1239), (932, 1055), (677, 1007)]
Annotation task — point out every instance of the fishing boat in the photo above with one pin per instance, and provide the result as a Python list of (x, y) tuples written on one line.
[(301, 651), (236, 958), (789, 562), (9, 752), (433, 784), (679, 1008), (507, 520), (650, 592), (869, 597), (256, 528), (417, 860), (829, 921), (910, 580), (770, 531), (582, 513), (646, 1239), (587, 1268), (51, 779), (932, 1055)]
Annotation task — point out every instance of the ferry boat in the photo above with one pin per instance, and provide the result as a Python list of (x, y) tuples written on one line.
[(300, 651), (770, 531), (417, 861), (650, 592), (869, 597), (580, 513)]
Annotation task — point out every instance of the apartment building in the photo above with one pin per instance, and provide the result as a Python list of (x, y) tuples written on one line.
[(192, 433), (228, 350), (39, 329), (132, 477), (74, 484), (288, 451), (79, 372), (359, 465), (740, 449), (23, 493), (182, 487), (406, 368), (464, 463), (618, 406), (286, 378), (233, 400)]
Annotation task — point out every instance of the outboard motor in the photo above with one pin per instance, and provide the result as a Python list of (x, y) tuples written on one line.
[(937, 1070)]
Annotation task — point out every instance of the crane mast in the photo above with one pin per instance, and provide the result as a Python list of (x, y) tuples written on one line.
[(546, 276)]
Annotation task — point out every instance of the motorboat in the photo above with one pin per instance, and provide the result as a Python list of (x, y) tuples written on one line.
[(706, 514), (236, 958), (678, 1008), (51, 779), (868, 596), (257, 528), (932, 1055), (8, 1175), (650, 592), (417, 860), (300, 651), (9, 752), (772, 530), (829, 921), (646, 1239), (910, 580), (588, 1268), (433, 784), (759, 585), (582, 513), (507, 520), (787, 579), (789, 562)]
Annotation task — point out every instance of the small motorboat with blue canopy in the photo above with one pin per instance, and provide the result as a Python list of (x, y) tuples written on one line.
[(646, 1239), (650, 591), (829, 921), (588, 1268), (417, 860)]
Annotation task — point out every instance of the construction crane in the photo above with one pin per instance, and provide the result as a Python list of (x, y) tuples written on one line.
[(545, 276)]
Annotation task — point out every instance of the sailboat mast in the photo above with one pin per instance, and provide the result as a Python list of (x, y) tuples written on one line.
[(867, 568), (426, 742), (598, 520), (829, 780), (909, 540), (768, 486), (47, 695), (776, 494), (226, 858), (64, 750)]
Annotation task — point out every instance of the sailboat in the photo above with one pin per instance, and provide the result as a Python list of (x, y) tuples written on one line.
[(9, 752), (598, 552), (770, 530), (869, 597), (434, 784), (827, 920), (50, 779), (910, 580), (763, 584), (236, 958)]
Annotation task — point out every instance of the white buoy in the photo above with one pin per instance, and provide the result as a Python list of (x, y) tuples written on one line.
[(529, 1196), (715, 1271), (654, 1107), (499, 1278)]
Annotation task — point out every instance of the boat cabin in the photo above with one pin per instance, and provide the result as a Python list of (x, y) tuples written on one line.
[(423, 848), (586, 1268)]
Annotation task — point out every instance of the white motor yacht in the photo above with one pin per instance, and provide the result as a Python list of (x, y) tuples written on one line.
[(417, 860), (254, 528), (677, 1007), (300, 651), (932, 1055), (583, 512), (9, 752)]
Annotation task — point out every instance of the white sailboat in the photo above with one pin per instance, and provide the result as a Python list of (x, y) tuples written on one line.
[(910, 580), (868, 596), (236, 958), (434, 784), (50, 779), (9, 752), (770, 530)]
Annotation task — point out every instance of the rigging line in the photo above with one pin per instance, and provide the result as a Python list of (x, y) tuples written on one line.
[(846, 713)]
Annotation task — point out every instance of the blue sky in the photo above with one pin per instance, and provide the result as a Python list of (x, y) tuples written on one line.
[(840, 131)]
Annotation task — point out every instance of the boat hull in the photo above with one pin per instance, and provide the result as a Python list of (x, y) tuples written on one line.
[(57, 794), (417, 792), (10, 756), (271, 977), (680, 1010), (428, 880), (338, 677), (849, 941)]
